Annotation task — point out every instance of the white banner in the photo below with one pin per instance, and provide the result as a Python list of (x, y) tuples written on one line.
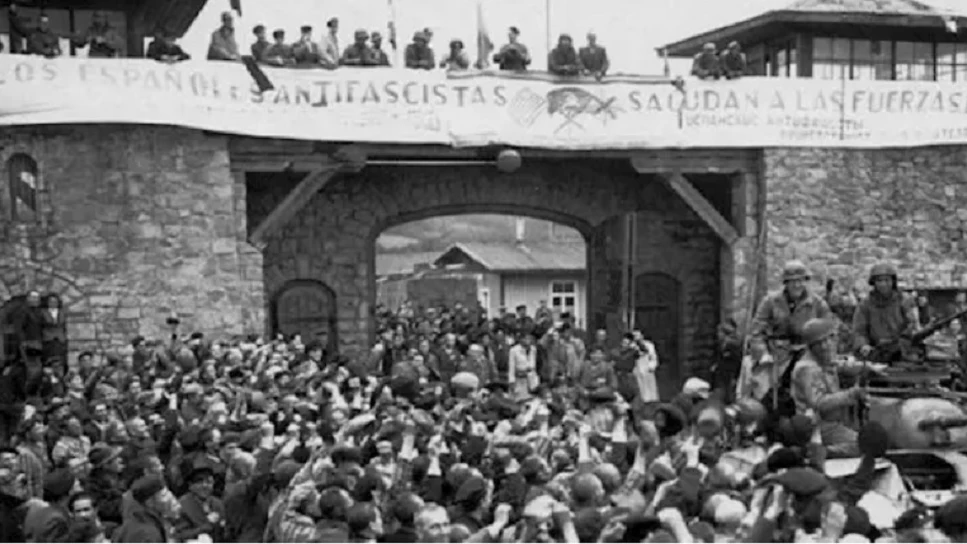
[(473, 109)]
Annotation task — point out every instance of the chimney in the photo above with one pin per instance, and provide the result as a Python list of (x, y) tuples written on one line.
[(519, 230)]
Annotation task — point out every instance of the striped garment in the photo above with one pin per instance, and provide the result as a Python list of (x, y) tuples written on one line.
[(34, 471)]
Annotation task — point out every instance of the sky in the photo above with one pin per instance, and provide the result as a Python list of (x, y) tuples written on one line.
[(630, 29)]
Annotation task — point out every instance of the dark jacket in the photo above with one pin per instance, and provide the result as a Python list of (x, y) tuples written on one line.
[(419, 57), (594, 60), (19, 31), (141, 525), (11, 519), (108, 495), (512, 57), (158, 49), (44, 43), (563, 61), (31, 328), (357, 55), (194, 518), (46, 523)]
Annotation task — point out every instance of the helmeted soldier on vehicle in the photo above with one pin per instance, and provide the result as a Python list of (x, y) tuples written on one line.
[(883, 317), (816, 389), (776, 334)]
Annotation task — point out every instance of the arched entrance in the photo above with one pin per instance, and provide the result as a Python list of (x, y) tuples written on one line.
[(334, 238), (658, 305), (9, 318), (306, 308)]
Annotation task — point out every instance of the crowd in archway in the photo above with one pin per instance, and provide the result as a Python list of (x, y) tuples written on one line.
[(453, 427)]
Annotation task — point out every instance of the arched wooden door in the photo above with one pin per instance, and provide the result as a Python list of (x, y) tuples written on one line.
[(306, 308), (658, 316), (9, 318)]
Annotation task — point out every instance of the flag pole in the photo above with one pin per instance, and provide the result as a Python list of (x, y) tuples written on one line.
[(393, 33), (547, 25)]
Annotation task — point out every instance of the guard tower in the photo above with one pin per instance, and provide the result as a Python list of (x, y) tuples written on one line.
[(853, 39)]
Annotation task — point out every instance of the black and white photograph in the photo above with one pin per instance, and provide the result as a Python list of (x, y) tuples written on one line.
[(483, 271)]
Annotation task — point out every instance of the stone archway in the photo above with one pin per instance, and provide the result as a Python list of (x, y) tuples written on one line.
[(332, 238)]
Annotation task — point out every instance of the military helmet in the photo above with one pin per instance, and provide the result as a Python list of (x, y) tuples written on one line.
[(794, 270), (749, 410), (816, 330), (882, 269)]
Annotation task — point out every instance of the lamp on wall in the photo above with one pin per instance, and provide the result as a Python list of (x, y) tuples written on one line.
[(508, 161)]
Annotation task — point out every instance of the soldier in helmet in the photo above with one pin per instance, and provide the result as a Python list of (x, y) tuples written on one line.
[(776, 334), (816, 390), (883, 317)]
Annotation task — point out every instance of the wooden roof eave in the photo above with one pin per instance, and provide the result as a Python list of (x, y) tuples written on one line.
[(531, 271), (770, 22), (175, 15)]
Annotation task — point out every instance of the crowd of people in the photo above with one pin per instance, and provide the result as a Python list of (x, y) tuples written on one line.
[(104, 41), (453, 428)]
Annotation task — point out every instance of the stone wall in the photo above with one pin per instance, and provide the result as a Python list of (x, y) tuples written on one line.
[(138, 222), (843, 210), (332, 239)]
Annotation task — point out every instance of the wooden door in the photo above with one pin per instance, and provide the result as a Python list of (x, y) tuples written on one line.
[(658, 316), (307, 308)]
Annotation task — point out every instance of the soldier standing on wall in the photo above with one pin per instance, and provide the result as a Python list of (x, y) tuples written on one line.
[(776, 335), (883, 318)]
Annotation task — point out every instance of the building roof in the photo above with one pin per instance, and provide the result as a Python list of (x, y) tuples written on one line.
[(175, 15), (887, 14), (389, 264), (530, 257), (864, 6)]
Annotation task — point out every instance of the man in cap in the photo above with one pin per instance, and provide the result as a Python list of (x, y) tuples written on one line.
[(305, 51), (42, 40), (201, 512), (144, 520), (594, 58), (329, 47), (706, 64), (358, 54), (816, 390), (223, 45), (732, 61), (514, 55), (104, 483), (164, 47), (260, 44), (883, 317), (418, 54), (380, 58), (563, 59), (776, 334), (457, 59), (103, 40)]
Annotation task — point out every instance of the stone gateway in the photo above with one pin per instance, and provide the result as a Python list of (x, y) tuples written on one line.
[(133, 224)]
